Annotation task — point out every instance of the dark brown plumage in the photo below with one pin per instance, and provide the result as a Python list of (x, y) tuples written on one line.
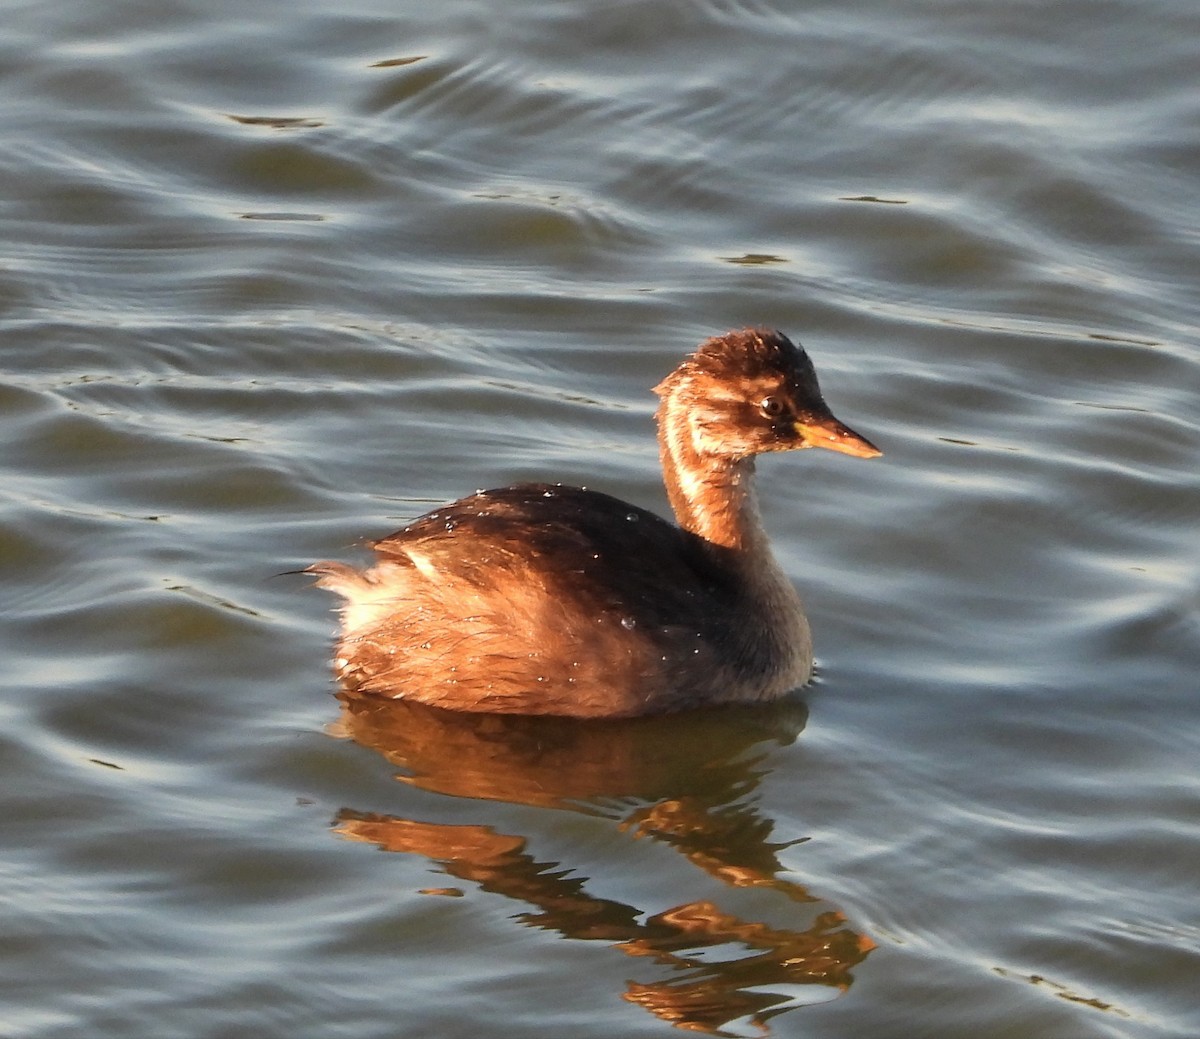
[(542, 599)]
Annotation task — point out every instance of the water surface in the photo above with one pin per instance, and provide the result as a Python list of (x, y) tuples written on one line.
[(277, 278)]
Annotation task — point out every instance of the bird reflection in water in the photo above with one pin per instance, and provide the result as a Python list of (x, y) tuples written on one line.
[(684, 780)]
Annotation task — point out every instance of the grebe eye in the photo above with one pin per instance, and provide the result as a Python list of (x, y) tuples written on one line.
[(772, 407)]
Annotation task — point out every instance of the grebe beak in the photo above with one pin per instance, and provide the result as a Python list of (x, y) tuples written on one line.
[(826, 431)]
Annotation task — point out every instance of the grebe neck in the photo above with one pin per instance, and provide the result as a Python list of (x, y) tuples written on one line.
[(712, 495)]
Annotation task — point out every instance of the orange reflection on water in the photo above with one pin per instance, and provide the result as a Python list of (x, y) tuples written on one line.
[(683, 782)]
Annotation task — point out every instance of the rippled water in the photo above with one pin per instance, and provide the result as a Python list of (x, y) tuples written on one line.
[(276, 277)]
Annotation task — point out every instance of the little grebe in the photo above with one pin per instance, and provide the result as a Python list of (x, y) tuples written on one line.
[(543, 599)]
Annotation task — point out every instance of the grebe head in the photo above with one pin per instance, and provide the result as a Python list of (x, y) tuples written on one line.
[(749, 392)]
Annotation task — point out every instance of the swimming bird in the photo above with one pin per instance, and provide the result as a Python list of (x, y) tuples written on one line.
[(543, 599)]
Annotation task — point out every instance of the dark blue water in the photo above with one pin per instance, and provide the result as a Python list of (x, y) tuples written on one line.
[(275, 278)]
